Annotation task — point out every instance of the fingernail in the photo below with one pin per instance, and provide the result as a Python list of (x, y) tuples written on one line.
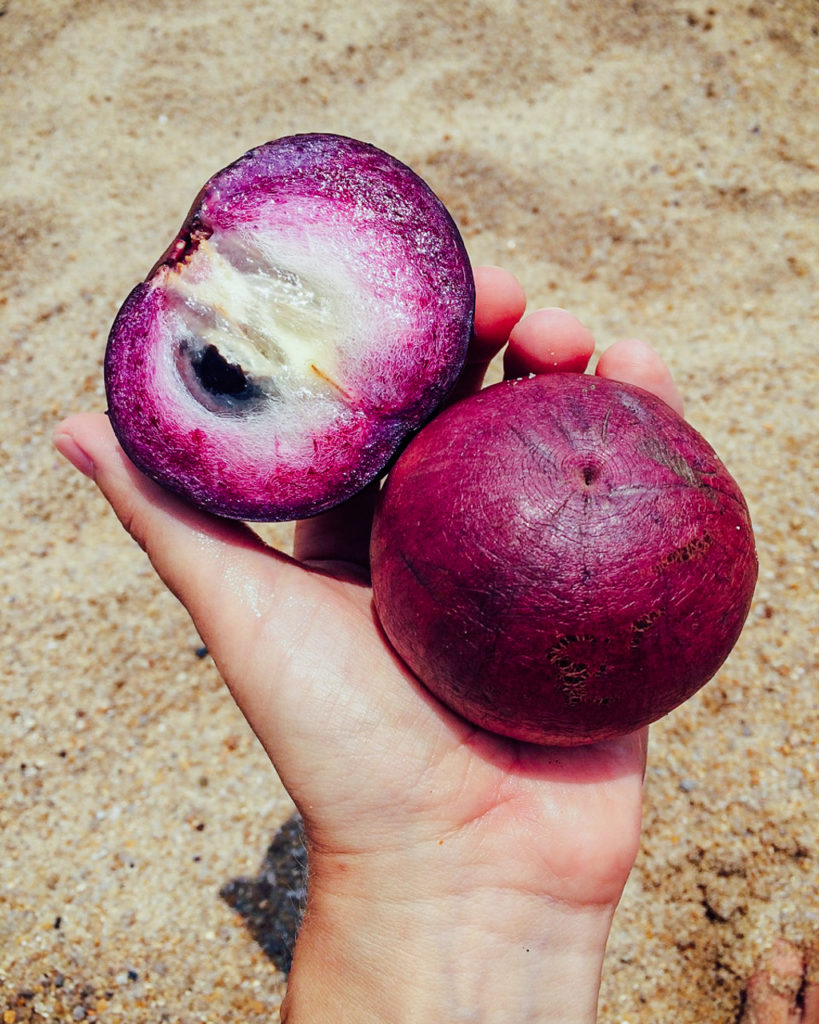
[(79, 459)]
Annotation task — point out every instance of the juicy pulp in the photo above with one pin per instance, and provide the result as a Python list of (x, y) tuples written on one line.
[(313, 311)]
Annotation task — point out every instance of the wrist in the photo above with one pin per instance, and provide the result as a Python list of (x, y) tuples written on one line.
[(393, 946)]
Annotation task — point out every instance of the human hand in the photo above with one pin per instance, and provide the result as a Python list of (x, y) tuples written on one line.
[(453, 875)]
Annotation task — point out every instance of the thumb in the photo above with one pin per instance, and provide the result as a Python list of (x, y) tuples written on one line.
[(287, 639), (220, 570)]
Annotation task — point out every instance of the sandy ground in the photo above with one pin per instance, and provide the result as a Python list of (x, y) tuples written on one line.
[(652, 167)]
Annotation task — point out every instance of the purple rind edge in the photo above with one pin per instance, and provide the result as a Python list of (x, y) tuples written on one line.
[(403, 428)]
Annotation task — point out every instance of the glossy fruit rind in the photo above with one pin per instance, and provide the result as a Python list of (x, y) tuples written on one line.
[(562, 559)]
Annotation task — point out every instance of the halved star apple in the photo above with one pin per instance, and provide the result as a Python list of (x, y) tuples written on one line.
[(312, 313)]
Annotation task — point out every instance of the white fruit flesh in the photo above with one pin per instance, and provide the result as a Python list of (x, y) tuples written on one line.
[(278, 322)]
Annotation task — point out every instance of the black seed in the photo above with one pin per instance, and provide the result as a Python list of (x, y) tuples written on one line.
[(218, 375)]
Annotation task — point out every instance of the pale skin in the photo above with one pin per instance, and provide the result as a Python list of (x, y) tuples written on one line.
[(453, 875)]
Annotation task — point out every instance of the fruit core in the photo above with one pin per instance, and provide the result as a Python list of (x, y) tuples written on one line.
[(249, 328)]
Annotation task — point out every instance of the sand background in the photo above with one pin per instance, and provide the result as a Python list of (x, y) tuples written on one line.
[(651, 166)]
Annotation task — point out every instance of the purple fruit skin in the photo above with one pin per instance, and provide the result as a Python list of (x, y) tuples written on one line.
[(393, 392), (562, 559)]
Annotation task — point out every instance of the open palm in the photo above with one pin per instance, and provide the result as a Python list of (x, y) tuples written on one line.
[(381, 772)]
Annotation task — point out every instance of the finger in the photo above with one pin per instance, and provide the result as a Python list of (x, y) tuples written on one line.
[(810, 989), (548, 341), (197, 555), (772, 992), (499, 304), (810, 1011), (633, 362), (279, 634), (339, 540)]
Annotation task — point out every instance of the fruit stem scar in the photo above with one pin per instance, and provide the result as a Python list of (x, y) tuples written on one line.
[(182, 248)]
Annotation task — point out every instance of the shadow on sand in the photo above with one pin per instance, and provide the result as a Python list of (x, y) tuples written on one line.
[(271, 904)]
